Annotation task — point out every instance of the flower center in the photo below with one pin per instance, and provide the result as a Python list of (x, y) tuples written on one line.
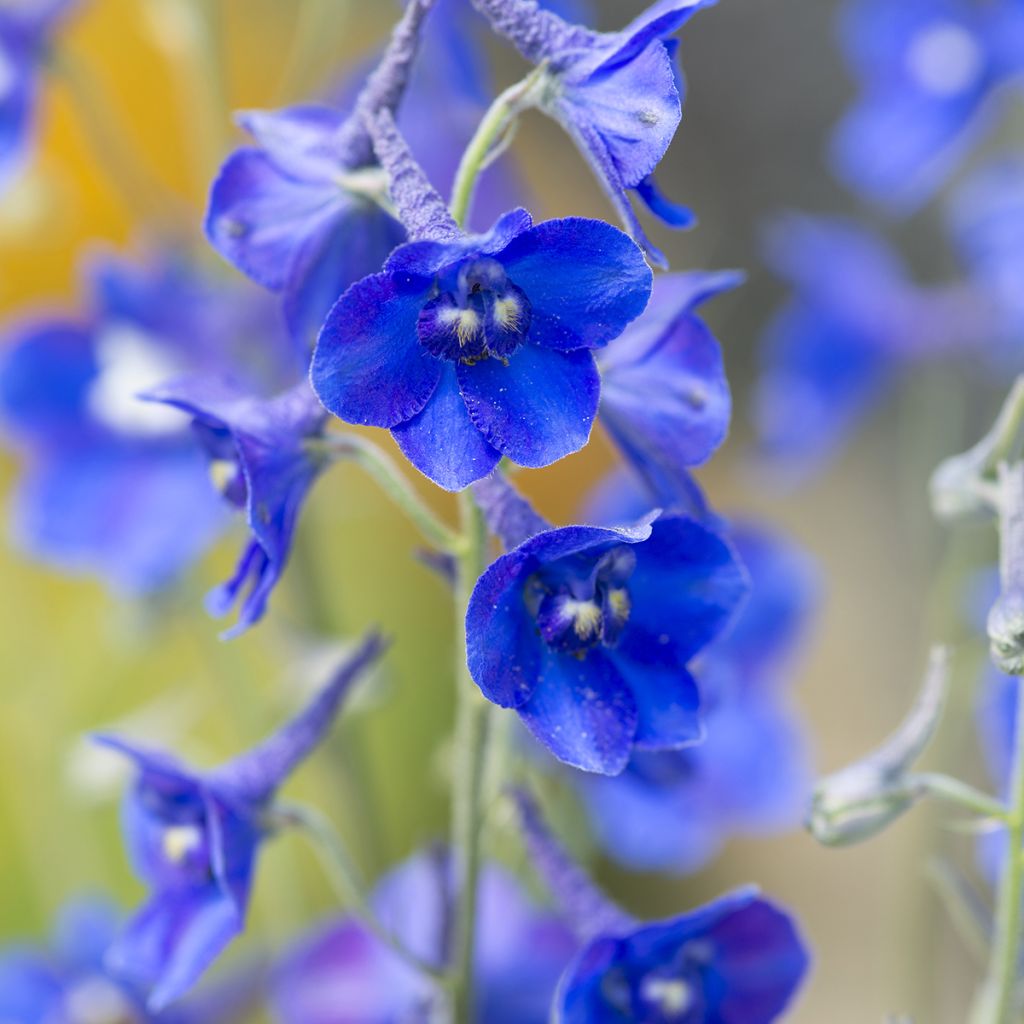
[(944, 58), (577, 609), (482, 314)]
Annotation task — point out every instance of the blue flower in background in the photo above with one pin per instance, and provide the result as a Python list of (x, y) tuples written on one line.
[(739, 958), (987, 224), (854, 323), (587, 633), (25, 29), (112, 485), (470, 347), (996, 717), (617, 94), (343, 973), (302, 212), (673, 810), (927, 70), (69, 982), (194, 837), (261, 461), (665, 399)]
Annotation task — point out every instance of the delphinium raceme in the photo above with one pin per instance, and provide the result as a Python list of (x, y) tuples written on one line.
[(627, 646)]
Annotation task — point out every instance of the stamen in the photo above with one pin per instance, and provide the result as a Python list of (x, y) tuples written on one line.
[(181, 840)]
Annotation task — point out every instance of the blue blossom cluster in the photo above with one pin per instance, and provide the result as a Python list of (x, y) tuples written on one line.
[(644, 649), (934, 77)]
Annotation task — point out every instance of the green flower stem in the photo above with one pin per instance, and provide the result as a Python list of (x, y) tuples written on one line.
[(345, 877), (491, 135), (471, 736), (997, 1003), (390, 478)]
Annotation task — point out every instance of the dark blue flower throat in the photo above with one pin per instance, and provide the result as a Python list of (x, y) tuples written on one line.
[(476, 313), (579, 603), (672, 991), (225, 466)]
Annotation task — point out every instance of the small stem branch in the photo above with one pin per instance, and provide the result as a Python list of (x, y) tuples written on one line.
[(953, 791), (997, 1003), (471, 735), (494, 126), (1006, 618), (390, 478), (345, 877)]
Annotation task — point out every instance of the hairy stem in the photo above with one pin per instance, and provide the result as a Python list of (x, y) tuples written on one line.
[(471, 734), (487, 142)]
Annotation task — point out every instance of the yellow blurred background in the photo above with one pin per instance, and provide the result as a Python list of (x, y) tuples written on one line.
[(763, 89)]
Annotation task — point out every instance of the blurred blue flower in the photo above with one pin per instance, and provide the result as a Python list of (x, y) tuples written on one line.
[(854, 323), (69, 982), (115, 486), (739, 958), (470, 347), (587, 633), (617, 94), (304, 211), (665, 399), (261, 461), (672, 810), (194, 836), (927, 70), (987, 224), (343, 973), (25, 29), (996, 716)]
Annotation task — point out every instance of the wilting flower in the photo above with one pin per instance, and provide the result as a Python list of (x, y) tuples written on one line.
[(470, 347), (115, 486), (928, 70), (617, 94), (739, 958), (261, 461), (672, 810), (194, 837), (69, 982), (664, 396), (587, 633), (303, 211), (25, 29), (343, 972), (855, 322)]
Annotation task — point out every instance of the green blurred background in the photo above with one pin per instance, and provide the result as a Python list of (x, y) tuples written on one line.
[(765, 84)]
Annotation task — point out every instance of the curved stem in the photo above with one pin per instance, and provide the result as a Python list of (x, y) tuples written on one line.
[(997, 1002), (471, 734), (487, 143), (345, 877), (953, 791), (390, 478)]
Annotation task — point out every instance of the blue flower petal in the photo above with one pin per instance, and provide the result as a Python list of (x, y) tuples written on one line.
[(299, 140), (667, 699), (585, 280), (441, 440), (260, 219), (582, 711), (369, 366), (668, 212), (539, 408), (657, 21)]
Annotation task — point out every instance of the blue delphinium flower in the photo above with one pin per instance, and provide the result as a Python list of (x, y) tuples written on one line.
[(69, 983), (987, 224), (617, 94), (25, 29), (262, 462), (739, 958), (665, 399), (854, 323), (587, 631), (302, 212), (672, 810), (342, 972), (927, 68), (996, 718), (115, 486), (194, 837), (470, 347)]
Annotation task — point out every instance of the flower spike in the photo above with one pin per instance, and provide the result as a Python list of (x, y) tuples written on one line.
[(420, 206)]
